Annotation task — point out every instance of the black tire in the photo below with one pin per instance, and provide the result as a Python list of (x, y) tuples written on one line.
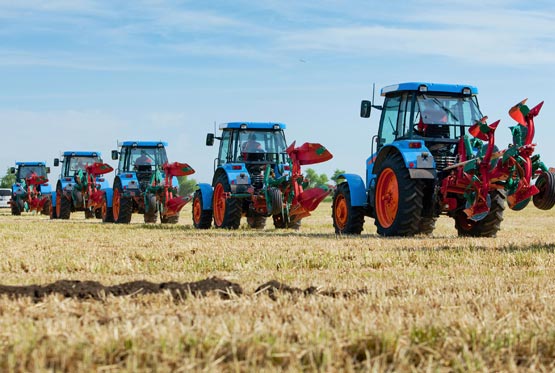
[(545, 199), (488, 226), (281, 221), (106, 213), (151, 209), (16, 206), (98, 213), (231, 207), (63, 204), (202, 219), (427, 225), (125, 205), (256, 221), (347, 219), (405, 221)]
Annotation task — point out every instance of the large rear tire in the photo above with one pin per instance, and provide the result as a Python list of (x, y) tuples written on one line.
[(122, 206), (488, 226), (398, 199), (227, 211), (545, 199), (202, 218), (347, 219)]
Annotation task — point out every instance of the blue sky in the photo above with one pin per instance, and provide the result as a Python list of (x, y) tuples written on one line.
[(82, 74)]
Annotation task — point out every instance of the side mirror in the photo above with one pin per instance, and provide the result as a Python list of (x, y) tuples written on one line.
[(56, 162), (47, 170), (365, 108), (115, 154), (12, 170), (209, 139)]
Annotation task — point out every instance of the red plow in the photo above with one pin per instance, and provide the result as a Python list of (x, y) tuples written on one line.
[(483, 169)]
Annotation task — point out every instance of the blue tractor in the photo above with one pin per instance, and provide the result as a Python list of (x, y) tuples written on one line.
[(421, 129), (145, 183), (258, 176), (76, 189), (31, 190)]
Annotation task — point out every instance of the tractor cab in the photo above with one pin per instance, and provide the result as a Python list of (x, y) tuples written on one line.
[(436, 114), (141, 158), (73, 162), (24, 170), (252, 144)]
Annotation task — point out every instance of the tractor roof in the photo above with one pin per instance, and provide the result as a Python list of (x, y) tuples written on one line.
[(30, 163), (158, 144), (253, 125), (70, 153), (429, 87)]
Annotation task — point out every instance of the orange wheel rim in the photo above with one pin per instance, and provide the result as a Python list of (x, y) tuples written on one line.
[(196, 210), (341, 212), (58, 204), (387, 198), (116, 204), (219, 205)]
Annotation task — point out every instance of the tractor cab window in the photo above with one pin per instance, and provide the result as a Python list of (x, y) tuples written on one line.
[(257, 145), (142, 158), (441, 116), (26, 171), (390, 117), (74, 164)]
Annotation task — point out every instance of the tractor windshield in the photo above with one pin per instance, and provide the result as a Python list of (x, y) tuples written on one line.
[(444, 116), (26, 171), (142, 158), (260, 145), (76, 163)]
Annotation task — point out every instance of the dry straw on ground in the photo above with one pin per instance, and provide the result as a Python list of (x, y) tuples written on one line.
[(353, 303)]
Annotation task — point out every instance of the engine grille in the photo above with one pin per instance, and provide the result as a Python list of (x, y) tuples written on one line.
[(444, 161)]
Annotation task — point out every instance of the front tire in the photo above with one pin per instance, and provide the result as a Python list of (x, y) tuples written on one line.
[(281, 221), (16, 206), (488, 226), (398, 199), (202, 219), (256, 221), (347, 219), (227, 211), (151, 209)]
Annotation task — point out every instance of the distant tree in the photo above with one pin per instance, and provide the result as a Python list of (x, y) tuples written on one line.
[(7, 180), (186, 186), (314, 179), (336, 174)]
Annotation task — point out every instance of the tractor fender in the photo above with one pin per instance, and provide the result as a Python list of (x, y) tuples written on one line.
[(46, 189), (356, 187), (237, 176), (104, 184), (418, 159), (109, 195), (206, 192)]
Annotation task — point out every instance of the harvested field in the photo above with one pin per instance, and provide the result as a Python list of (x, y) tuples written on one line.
[(80, 295)]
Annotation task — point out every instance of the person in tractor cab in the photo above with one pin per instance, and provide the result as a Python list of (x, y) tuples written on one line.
[(143, 160), (251, 145), (432, 122)]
